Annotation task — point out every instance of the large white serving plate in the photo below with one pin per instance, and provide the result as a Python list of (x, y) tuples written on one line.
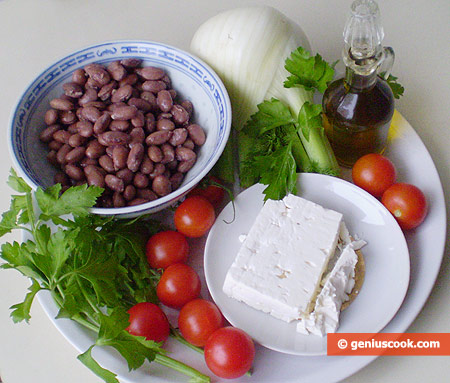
[(426, 249), (386, 257)]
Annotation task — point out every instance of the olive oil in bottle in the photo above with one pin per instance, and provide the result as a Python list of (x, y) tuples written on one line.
[(359, 107)]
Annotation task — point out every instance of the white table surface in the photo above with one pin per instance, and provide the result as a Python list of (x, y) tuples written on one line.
[(34, 33)]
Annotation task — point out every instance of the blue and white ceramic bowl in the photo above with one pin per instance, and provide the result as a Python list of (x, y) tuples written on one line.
[(191, 78)]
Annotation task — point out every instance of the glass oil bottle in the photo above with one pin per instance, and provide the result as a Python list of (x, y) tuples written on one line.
[(358, 108)]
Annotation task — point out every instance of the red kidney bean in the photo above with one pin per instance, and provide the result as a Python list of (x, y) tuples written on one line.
[(140, 180), (164, 100), (129, 192), (102, 123), (98, 73), (126, 175), (62, 136), (85, 128), (165, 124), (180, 115), (150, 98), (67, 117), (161, 185), (79, 77), (168, 153), (114, 183), (146, 165), (74, 172), (90, 113), (88, 96), (117, 70), (88, 161), (158, 138), (185, 166), (140, 104), (153, 86), (158, 170), (137, 201), (137, 136), (118, 200), (76, 140), (47, 134), (172, 165), (51, 117), (120, 156), (124, 112), (94, 149), (150, 122), (122, 94), (147, 194), (119, 125), (94, 176), (106, 91), (131, 62), (176, 180), (151, 73), (107, 163), (185, 154), (138, 121), (72, 89), (61, 104), (178, 137), (155, 153), (61, 154), (54, 145), (113, 138), (188, 107), (75, 155), (189, 144), (135, 157), (131, 79), (197, 134)]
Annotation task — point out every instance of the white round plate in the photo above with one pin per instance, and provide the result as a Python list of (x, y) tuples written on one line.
[(426, 248), (386, 256)]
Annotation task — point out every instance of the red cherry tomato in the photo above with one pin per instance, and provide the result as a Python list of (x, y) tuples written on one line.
[(211, 192), (374, 173), (229, 352), (166, 248), (407, 203), (198, 319), (148, 320), (178, 284), (194, 217)]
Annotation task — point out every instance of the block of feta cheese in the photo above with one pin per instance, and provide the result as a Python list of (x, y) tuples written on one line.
[(281, 262)]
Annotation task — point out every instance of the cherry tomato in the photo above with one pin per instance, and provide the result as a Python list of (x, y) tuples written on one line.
[(198, 319), (229, 352), (148, 320), (374, 173), (166, 248), (407, 203), (211, 192), (179, 284), (194, 217)]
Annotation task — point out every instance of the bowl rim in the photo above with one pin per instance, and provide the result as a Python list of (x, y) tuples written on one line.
[(161, 202)]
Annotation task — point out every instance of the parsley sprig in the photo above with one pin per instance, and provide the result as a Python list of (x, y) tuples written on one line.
[(94, 267)]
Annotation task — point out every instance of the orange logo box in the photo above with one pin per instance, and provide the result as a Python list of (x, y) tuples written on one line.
[(388, 344)]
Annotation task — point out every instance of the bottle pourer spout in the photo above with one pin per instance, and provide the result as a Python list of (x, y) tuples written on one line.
[(363, 32)]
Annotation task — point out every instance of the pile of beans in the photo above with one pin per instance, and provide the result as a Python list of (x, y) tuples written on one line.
[(121, 128)]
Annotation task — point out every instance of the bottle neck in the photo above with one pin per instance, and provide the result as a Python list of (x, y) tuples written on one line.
[(359, 81)]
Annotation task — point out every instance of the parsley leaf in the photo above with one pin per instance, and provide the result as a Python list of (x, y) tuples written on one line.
[(396, 87), (308, 72)]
